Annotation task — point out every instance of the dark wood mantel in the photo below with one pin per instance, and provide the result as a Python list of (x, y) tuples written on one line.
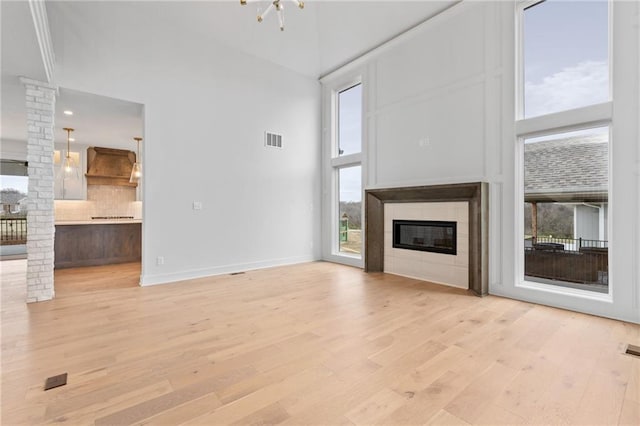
[(476, 194)]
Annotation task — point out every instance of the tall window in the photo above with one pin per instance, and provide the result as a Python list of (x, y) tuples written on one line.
[(563, 135), (350, 120), (347, 170), (566, 57)]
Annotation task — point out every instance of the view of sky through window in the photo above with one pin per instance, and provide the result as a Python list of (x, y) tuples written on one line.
[(15, 182), (566, 54), (351, 184), (350, 120)]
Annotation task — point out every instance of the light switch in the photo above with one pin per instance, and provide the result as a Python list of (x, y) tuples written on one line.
[(197, 205)]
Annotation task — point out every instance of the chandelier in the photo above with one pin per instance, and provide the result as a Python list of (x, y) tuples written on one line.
[(275, 4)]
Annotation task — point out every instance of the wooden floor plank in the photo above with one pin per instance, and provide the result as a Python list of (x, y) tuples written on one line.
[(376, 408), (315, 343)]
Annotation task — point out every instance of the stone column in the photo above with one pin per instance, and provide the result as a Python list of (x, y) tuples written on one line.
[(41, 101)]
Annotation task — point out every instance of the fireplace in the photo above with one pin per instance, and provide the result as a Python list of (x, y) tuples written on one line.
[(425, 235), (474, 194)]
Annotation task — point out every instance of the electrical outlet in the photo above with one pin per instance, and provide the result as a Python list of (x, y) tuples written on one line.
[(160, 260), (197, 205)]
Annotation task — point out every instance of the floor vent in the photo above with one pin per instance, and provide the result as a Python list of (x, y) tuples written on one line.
[(55, 381), (633, 350), (273, 140), (236, 273)]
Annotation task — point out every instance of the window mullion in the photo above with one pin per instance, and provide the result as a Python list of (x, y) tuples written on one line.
[(559, 121), (347, 160)]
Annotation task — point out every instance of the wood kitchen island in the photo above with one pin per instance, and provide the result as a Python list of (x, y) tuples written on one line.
[(91, 243)]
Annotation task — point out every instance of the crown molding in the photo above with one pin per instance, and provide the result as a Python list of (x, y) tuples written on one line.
[(374, 52), (41, 24)]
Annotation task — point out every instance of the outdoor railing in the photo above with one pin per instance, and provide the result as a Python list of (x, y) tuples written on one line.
[(13, 231), (567, 244), (575, 260)]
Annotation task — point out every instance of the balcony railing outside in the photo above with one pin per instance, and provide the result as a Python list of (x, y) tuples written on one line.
[(13, 231), (570, 260), (572, 244)]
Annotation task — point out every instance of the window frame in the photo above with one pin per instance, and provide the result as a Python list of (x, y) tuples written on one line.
[(335, 162), (591, 116), (519, 78)]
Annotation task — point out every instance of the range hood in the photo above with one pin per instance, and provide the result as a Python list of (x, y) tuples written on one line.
[(108, 166)]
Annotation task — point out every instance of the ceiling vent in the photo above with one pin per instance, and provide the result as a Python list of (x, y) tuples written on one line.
[(272, 139)]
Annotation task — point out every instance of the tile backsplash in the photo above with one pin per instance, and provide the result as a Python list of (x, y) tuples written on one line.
[(102, 200)]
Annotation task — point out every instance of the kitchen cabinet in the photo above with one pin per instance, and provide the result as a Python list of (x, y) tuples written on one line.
[(69, 188)]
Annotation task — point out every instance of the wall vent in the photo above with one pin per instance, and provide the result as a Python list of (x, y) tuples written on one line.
[(272, 139), (633, 350)]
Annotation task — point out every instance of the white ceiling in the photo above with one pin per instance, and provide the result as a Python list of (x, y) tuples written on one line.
[(98, 120), (318, 39)]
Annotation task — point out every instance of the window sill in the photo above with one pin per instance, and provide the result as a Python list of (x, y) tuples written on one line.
[(566, 291)]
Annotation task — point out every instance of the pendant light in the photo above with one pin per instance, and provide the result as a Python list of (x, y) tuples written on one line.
[(136, 171), (69, 167)]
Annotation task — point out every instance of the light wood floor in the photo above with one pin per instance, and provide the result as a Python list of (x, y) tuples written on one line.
[(310, 344), (94, 278)]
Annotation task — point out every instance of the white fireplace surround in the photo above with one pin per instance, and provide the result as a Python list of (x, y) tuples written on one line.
[(437, 268)]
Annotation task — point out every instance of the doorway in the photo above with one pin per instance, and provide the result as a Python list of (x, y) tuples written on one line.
[(98, 203)]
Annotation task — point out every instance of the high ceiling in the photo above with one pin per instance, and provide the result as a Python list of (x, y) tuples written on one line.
[(317, 40)]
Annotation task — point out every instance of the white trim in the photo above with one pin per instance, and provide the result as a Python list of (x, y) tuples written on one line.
[(43, 34), (345, 259), (353, 65), (564, 301), (333, 162), (589, 116), (172, 277), (429, 182), (347, 160), (518, 241), (611, 205), (519, 34), (428, 94), (636, 254), (566, 291)]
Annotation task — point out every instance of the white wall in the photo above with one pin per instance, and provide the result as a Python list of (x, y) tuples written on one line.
[(206, 108), (440, 104)]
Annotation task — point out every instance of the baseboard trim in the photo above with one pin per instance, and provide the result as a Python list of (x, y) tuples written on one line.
[(172, 277)]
